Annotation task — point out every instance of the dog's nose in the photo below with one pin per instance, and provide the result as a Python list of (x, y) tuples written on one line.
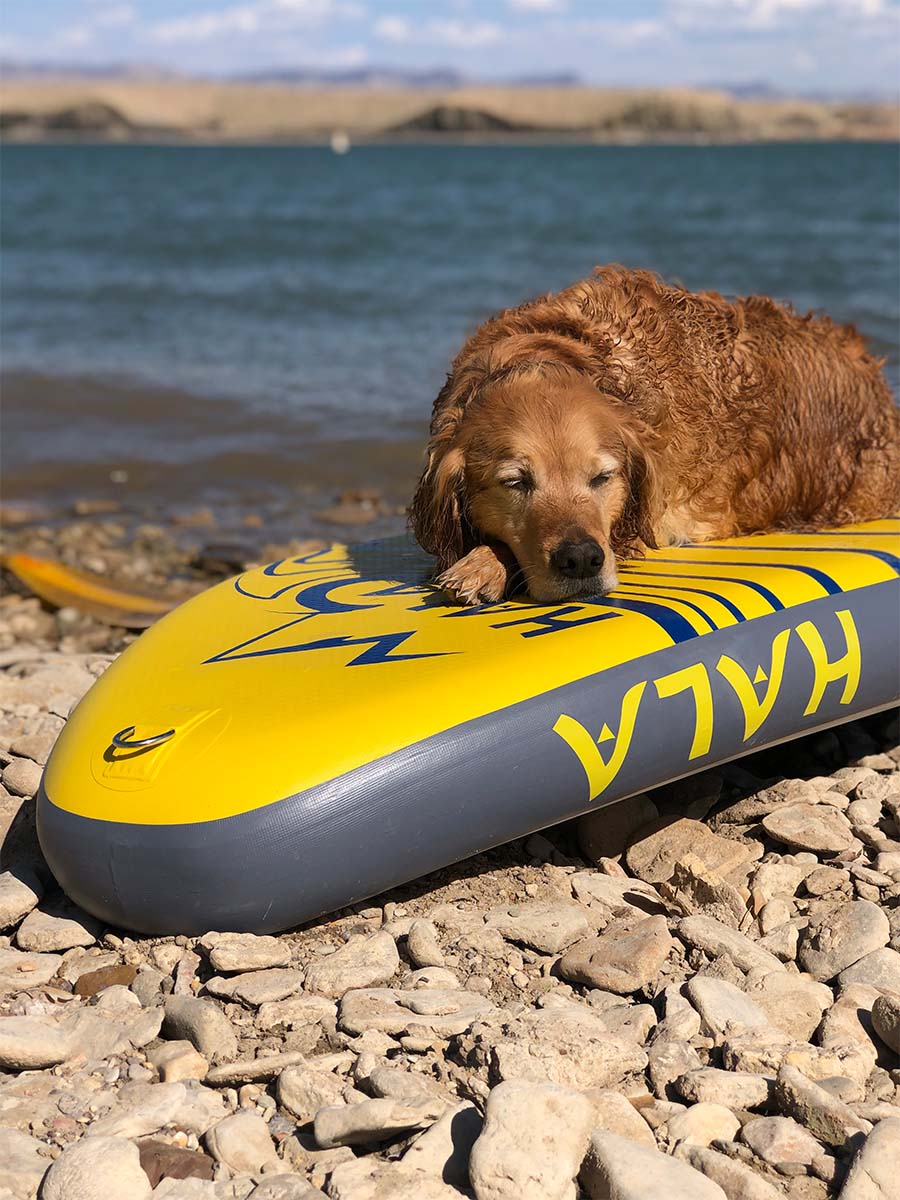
[(577, 560)]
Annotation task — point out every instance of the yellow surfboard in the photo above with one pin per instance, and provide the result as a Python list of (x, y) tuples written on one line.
[(314, 731)]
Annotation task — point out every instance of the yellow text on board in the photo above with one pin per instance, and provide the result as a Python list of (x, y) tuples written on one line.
[(602, 770)]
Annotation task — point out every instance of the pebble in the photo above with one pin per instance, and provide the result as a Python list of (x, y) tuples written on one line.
[(614, 1113), (257, 987), (22, 777), (534, 1140), (667, 1062), (826, 879), (422, 945), (701, 1124), (618, 1169), (680, 1021), (362, 962), (245, 951), (97, 1168), (243, 1143), (757, 1051), (695, 888), (816, 827), (373, 1121), (304, 1090), (19, 893), (178, 1060), (23, 1163), (37, 746), (825, 1116), (794, 1003), (615, 893), (886, 1020), (161, 1160), (203, 1025), (20, 970), (442, 1152), (295, 1012), (32, 1043), (394, 1083), (779, 1140), (622, 959), (874, 1172), (89, 983), (251, 1070), (373, 1179), (716, 939), (140, 1110), (439, 1012), (736, 1180), (880, 969), (556, 1046), (841, 936), (548, 928), (41, 931), (734, 1089), (286, 1187), (725, 1009), (657, 847)]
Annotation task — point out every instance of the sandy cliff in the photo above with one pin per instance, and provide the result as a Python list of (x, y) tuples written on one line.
[(210, 111)]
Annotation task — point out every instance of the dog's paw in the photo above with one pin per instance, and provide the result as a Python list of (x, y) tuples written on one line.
[(479, 578)]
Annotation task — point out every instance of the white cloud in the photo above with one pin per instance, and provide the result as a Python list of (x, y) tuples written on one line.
[(203, 26), (258, 16), (438, 32), (537, 5), (114, 15), (609, 31), (765, 15), (76, 37), (461, 33), (393, 29)]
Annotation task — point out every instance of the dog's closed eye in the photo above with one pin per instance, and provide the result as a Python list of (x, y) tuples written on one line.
[(517, 481), (604, 477)]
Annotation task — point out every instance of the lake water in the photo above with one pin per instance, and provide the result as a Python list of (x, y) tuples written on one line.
[(249, 320)]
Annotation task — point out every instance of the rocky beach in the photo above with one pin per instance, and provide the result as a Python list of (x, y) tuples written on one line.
[(694, 993)]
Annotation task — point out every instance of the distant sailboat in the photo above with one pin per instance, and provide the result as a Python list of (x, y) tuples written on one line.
[(340, 142)]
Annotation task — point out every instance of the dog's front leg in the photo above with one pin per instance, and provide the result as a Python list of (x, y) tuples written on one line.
[(481, 577)]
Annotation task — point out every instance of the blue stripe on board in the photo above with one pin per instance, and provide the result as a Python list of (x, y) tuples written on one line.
[(707, 620), (676, 626), (823, 580), (882, 555), (727, 604), (760, 588)]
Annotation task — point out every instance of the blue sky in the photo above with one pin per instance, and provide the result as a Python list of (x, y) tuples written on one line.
[(795, 45)]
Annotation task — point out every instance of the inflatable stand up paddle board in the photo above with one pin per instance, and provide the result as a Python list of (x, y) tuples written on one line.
[(318, 730)]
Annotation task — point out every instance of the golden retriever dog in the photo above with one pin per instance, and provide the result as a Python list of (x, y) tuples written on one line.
[(622, 413)]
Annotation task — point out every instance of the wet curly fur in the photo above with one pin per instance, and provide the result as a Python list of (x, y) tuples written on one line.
[(706, 417)]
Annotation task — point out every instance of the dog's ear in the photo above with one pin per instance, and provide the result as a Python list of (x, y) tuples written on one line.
[(644, 504), (438, 513)]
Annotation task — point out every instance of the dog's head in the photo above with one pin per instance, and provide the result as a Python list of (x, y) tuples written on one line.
[(546, 463)]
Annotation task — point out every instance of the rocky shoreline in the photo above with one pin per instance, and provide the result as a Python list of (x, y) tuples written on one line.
[(692, 994)]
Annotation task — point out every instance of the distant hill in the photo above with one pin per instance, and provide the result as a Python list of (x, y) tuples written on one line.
[(11, 68), (303, 110), (303, 76)]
